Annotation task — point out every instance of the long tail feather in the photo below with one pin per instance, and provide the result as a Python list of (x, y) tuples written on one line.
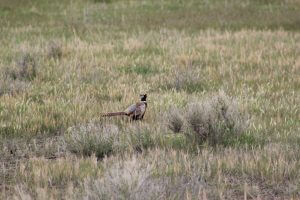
[(113, 114)]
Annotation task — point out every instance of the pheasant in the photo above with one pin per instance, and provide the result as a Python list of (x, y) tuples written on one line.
[(135, 111)]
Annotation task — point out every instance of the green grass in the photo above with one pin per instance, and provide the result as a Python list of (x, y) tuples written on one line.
[(63, 63), (138, 69)]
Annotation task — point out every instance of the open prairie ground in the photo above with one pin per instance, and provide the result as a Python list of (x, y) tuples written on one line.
[(223, 85)]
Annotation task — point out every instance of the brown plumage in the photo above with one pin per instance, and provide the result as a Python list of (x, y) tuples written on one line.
[(113, 114), (135, 111)]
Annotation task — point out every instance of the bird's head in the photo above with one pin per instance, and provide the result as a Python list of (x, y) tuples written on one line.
[(143, 97)]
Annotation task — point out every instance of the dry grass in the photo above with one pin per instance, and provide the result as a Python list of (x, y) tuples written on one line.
[(233, 173), (64, 63)]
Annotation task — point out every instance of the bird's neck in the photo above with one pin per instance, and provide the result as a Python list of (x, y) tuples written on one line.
[(145, 102)]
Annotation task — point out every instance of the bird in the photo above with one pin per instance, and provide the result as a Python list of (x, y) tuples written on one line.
[(135, 111)]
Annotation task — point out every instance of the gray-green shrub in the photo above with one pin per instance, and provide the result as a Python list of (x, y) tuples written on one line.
[(135, 179), (140, 137), (175, 120), (26, 68), (93, 138), (215, 119), (54, 50)]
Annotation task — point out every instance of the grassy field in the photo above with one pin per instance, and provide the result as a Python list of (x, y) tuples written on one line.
[(222, 78)]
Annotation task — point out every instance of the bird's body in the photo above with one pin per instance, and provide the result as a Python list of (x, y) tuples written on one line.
[(135, 111)]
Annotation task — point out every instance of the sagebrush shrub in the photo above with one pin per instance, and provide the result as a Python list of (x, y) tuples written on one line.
[(10, 86), (140, 137), (134, 179), (16, 78), (26, 68), (215, 119), (122, 181), (55, 50), (175, 120), (92, 138)]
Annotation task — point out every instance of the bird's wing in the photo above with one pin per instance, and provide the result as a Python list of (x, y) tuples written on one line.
[(131, 109), (141, 108)]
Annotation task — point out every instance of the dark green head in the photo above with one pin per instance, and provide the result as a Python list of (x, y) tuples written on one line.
[(143, 97)]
